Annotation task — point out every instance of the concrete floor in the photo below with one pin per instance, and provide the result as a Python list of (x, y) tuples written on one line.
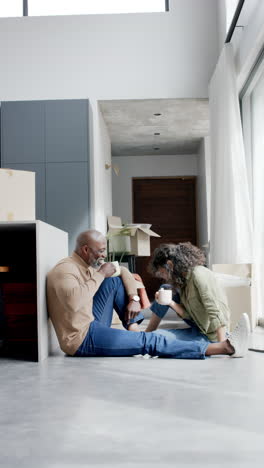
[(133, 412)]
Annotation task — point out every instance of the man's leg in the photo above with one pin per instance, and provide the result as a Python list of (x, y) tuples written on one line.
[(112, 295), (104, 341)]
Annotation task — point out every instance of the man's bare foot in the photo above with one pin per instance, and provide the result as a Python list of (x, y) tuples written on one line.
[(133, 327)]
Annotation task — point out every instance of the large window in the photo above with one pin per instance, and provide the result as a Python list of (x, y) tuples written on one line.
[(253, 118), (230, 8), (79, 7)]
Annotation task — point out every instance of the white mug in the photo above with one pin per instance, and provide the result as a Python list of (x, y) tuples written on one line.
[(117, 267), (165, 296)]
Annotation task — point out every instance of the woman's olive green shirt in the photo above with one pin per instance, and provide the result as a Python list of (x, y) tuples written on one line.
[(205, 301)]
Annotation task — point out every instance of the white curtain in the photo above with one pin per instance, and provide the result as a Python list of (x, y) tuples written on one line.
[(231, 222)]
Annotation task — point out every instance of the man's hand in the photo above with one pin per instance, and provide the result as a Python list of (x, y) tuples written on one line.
[(133, 309), (107, 270)]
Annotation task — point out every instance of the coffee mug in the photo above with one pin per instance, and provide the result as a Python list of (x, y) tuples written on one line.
[(165, 296), (117, 267)]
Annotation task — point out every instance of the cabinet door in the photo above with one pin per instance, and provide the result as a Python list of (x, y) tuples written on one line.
[(39, 169), (22, 132), (66, 124), (67, 198)]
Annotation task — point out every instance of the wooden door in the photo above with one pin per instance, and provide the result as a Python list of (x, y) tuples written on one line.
[(169, 204)]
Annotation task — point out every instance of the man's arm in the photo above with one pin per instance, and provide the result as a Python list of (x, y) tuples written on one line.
[(69, 289), (133, 308)]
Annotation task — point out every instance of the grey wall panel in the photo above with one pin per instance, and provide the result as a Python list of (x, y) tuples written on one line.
[(67, 198), (22, 129), (66, 124), (39, 169)]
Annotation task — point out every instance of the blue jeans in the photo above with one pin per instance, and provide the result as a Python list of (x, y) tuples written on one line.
[(101, 340), (187, 334)]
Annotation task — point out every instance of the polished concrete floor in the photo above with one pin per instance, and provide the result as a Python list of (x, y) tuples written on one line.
[(133, 412)]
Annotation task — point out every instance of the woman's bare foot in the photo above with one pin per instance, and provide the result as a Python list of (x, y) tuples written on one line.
[(133, 327), (224, 347)]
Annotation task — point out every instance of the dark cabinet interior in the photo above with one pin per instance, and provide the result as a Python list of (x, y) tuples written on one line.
[(18, 292)]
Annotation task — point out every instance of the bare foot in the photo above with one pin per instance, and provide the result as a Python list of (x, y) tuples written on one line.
[(230, 349), (133, 327)]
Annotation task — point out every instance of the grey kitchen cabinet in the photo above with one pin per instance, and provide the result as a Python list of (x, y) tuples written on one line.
[(67, 197), (22, 132), (66, 124), (51, 138)]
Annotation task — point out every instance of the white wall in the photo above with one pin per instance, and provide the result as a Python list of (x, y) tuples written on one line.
[(132, 56), (145, 166), (203, 192), (149, 55)]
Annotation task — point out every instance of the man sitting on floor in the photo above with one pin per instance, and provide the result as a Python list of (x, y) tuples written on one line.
[(82, 295)]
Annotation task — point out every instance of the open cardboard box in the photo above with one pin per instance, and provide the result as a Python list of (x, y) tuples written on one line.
[(137, 242), (17, 195)]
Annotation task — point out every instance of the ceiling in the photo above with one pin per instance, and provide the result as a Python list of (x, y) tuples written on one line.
[(132, 125)]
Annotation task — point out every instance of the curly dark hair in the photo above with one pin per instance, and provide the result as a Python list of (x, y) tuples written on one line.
[(184, 256)]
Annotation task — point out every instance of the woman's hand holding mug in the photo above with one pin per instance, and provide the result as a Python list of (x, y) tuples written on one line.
[(164, 296)]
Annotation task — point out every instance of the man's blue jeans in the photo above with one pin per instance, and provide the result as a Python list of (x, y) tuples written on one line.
[(101, 340)]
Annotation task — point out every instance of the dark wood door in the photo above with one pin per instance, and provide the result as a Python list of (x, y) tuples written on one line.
[(169, 204)]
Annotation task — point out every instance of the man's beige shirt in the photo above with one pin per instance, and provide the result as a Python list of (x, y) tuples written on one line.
[(71, 286)]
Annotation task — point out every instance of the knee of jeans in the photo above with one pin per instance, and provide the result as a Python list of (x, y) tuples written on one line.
[(159, 309), (114, 282)]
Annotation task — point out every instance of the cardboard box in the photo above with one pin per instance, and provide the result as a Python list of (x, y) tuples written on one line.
[(17, 195), (138, 235), (236, 282)]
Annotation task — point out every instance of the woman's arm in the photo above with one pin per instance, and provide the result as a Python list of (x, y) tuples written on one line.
[(153, 323), (179, 309), (215, 317)]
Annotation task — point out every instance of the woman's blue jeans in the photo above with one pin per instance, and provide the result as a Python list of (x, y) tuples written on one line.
[(189, 334), (101, 340)]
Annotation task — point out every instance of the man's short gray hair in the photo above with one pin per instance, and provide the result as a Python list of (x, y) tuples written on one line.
[(86, 237)]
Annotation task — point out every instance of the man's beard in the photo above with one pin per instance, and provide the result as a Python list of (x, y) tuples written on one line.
[(97, 263)]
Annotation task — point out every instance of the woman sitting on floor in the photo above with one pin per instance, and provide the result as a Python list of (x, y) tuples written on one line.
[(199, 299)]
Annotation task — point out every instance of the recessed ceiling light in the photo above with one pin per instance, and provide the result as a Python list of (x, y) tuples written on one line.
[(156, 133), (156, 148), (157, 114)]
